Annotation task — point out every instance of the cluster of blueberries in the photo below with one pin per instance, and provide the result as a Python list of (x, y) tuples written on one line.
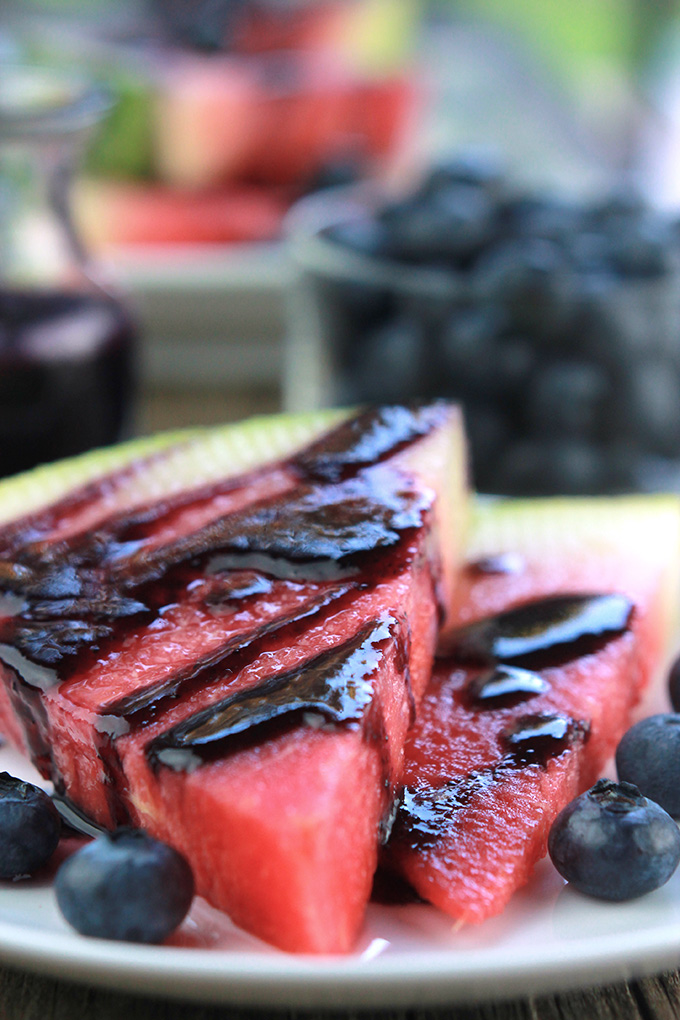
[(619, 840), (557, 323)]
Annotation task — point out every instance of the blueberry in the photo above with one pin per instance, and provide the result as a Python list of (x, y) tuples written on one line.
[(575, 467), (29, 827), (336, 173), (622, 467), (614, 844), (642, 250), (487, 432), (542, 217), (590, 252), (623, 207), (600, 333), (536, 467), (125, 885), (515, 356), (649, 756), (567, 398), (467, 352), (448, 226), (361, 302), (482, 168), (366, 235), (387, 366), (532, 279), (205, 25), (652, 404), (520, 470)]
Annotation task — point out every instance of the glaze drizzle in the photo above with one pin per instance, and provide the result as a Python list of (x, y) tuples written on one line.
[(337, 684), (556, 629)]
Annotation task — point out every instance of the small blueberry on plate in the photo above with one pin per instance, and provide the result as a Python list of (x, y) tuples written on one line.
[(614, 844), (29, 827), (649, 756), (125, 885)]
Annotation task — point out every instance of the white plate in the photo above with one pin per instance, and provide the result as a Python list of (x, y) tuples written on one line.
[(550, 938), (210, 316)]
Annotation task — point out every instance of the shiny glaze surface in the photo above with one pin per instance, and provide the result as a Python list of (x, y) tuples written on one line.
[(549, 630), (334, 687)]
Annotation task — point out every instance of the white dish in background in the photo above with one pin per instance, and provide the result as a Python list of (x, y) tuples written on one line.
[(210, 316), (549, 939)]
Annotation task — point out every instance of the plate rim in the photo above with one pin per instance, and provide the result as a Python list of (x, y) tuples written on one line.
[(242, 977)]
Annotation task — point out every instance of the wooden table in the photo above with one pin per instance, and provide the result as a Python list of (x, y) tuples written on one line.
[(25, 996)]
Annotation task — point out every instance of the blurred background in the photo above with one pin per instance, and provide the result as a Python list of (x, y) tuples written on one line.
[(484, 197)]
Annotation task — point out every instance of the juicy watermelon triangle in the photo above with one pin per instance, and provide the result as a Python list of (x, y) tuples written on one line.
[(474, 821), (222, 639)]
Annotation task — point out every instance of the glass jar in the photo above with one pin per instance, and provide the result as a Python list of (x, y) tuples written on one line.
[(66, 339), (560, 335)]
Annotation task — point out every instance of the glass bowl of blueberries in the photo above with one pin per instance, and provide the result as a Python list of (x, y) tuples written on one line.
[(555, 321)]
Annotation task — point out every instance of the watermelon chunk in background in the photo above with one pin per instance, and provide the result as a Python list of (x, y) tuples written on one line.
[(155, 607), (473, 824), (140, 213), (279, 121)]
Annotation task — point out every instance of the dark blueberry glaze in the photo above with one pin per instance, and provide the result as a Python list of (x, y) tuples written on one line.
[(427, 813), (535, 739), (73, 819), (551, 630), (68, 602), (366, 439), (137, 708), (319, 524), (504, 685), (501, 563), (335, 686)]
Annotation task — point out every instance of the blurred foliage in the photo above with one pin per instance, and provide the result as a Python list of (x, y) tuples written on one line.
[(123, 147), (379, 36), (569, 35)]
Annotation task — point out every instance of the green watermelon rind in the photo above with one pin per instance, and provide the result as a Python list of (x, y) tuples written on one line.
[(186, 458), (529, 522), (602, 524)]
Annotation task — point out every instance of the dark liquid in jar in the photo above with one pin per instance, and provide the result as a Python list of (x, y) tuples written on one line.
[(66, 375)]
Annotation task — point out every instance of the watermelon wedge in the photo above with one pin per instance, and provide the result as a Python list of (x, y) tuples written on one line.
[(508, 731), (224, 639)]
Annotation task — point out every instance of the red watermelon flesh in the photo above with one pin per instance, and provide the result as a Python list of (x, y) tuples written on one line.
[(478, 800), (235, 670)]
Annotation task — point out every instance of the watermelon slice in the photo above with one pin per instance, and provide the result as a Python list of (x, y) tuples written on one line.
[(226, 648), (500, 746)]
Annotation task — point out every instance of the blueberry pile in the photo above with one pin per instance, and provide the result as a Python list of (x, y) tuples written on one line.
[(556, 323), (619, 840)]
